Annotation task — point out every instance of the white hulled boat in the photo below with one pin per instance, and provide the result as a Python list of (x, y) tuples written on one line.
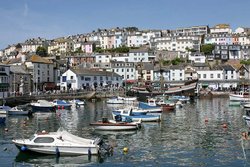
[(60, 142)]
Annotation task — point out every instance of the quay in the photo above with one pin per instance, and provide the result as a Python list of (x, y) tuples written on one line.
[(17, 100)]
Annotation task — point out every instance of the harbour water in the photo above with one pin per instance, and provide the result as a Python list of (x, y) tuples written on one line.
[(182, 138)]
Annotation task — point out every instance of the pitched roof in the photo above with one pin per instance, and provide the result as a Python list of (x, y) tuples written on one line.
[(38, 59), (18, 69)]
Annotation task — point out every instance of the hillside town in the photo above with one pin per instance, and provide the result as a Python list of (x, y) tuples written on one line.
[(110, 58)]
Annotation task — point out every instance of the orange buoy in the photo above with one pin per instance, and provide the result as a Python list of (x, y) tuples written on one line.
[(58, 107), (62, 107)]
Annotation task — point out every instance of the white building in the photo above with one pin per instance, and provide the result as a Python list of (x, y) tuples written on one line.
[(126, 70), (197, 57), (177, 73), (102, 58), (177, 43), (221, 28), (75, 79)]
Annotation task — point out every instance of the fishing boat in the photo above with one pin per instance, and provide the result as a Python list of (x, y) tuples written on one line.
[(135, 118), (115, 125), (59, 143), (77, 102), (42, 106), (19, 111), (61, 104)]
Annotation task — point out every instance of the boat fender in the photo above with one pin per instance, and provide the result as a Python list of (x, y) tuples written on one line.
[(57, 152), (24, 148)]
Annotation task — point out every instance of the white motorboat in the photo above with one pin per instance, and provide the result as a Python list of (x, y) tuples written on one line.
[(77, 102), (241, 96), (115, 101), (19, 111), (144, 118), (114, 125), (42, 106), (127, 98), (60, 142)]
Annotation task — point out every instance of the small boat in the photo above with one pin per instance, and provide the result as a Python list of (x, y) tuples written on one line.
[(42, 106), (135, 118), (77, 102), (4, 109), (247, 119), (127, 98), (131, 110), (115, 125), (19, 111), (115, 100), (61, 104), (59, 143), (121, 100), (240, 96)]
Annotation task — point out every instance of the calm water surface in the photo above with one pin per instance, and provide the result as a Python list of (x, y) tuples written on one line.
[(183, 138)]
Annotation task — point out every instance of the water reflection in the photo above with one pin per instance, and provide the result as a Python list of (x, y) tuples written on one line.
[(51, 160), (182, 138)]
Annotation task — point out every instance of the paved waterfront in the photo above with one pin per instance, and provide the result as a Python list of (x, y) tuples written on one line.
[(183, 138)]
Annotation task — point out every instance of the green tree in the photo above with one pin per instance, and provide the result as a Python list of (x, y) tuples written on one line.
[(207, 49), (246, 62), (41, 51)]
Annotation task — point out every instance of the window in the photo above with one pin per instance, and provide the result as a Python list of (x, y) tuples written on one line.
[(127, 76), (38, 72), (82, 78), (218, 75), (95, 78), (127, 70), (101, 78), (211, 75), (199, 75), (87, 79), (71, 77), (64, 78), (48, 72), (44, 140), (204, 76)]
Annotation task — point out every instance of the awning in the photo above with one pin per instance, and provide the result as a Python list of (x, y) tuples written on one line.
[(130, 81)]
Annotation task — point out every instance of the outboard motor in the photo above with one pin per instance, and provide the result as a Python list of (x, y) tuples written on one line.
[(104, 149)]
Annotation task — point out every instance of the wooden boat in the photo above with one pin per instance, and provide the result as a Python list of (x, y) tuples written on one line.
[(114, 125), (60, 142), (187, 89)]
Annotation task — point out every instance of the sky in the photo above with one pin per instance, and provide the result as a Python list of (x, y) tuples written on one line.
[(24, 19)]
